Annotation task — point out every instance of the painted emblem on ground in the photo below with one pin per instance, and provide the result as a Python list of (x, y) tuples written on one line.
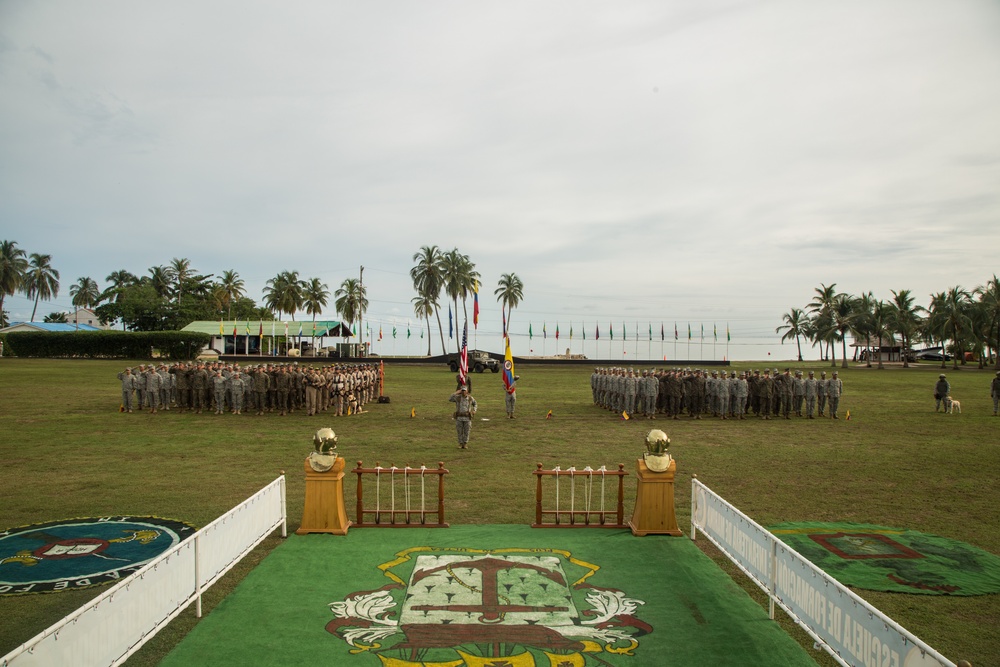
[(78, 553), (446, 607), (881, 558)]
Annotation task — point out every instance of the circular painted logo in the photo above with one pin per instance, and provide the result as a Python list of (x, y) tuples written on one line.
[(78, 553)]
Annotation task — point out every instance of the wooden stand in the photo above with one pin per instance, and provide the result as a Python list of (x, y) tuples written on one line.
[(324, 508), (654, 502)]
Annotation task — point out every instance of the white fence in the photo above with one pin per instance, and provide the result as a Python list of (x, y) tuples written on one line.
[(113, 626), (852, 631)]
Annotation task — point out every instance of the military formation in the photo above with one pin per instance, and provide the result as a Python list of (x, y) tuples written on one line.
[(219, 388), (695, 393)]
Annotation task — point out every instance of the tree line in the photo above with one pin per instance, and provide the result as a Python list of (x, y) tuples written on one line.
[(957, 320), (171, 296)]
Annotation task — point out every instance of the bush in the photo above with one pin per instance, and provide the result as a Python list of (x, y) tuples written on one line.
[(105, 344)]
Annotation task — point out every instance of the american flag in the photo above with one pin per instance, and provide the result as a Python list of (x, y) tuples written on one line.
[(463, 358)]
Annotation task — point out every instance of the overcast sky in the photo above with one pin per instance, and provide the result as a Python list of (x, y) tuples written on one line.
[(635, 163)]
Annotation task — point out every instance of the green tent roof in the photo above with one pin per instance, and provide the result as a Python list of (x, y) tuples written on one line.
[(323, 327)]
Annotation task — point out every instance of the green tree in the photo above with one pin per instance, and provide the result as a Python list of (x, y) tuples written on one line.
[(85, 294), (821, 308), (460, 278), (794, 327), (229, 289), (284, 293), (509, 293), (861, 323), (41, 281), (904, 318), (56, 317), (428, 281), (352, 301), (423, 308), (180, 270), (842, 322), (989, 302), (880, 327), (315, 296), (161, 279), (13, 266)]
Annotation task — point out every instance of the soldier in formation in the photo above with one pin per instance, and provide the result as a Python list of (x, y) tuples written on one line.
[(695, 393), (341, 389)]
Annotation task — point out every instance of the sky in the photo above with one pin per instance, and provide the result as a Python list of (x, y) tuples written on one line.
[(637, 164)]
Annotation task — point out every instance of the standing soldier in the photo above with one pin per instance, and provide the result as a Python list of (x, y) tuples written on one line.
[(237, 388), (465, 408), (282, 384), (199, 386), (765, 390), (182, 383), (798, 393), (128, 387), (942, 393), (261, 383), (219, 388), (140, 385), (742, 390), (810, 387), (834, 390), (786, 394), (166, 382), (152, 383), (821, 386)]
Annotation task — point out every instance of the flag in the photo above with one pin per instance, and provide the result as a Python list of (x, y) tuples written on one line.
[(421, 333), (703, 331), (625, 336), (314, 328), (715, 331), (380, 332), (413, 413), (408, 330), (463, 358), (689, 331), (475, 306), (663, 336), (611, 328), (260, 332), (545, 334), (221, 332), (597, 332), (503, 324), (300, 329), (650, 331), (286, 329), (451, 328), (530, 334), (248, 327), (393, 330), (234, 329), (549, 415), (557, 331), (727, 333), (675, 331), (571, 332), (625, 416), (508, 368), (848, 415)]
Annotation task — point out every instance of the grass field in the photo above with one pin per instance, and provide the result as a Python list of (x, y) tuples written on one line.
[(67, 452)]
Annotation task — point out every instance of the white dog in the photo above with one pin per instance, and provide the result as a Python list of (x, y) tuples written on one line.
[(954, 406)]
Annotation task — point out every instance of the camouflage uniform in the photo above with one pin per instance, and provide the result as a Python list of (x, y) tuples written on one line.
[(465, 408), (128, 387)]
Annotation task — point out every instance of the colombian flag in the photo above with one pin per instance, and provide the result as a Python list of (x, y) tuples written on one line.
[(475, 306), (508, 368)]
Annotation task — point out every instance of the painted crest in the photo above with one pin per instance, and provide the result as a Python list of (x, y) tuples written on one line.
[(503, 608)]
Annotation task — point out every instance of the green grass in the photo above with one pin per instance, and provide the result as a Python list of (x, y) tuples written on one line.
[(67, 452)]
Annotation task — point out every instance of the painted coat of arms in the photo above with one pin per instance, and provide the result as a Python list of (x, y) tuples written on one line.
[(449, 607)]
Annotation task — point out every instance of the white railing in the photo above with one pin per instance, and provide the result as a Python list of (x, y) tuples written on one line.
[(113, 626), (852, 631)]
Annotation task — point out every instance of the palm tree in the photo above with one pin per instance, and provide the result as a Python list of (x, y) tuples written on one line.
[(41, 281), (989, 299), (230, 288), (460, 277), (842, 322), (957, 321), (821, 307), (284, 293), (352, 301), (509, 292), (161, 277), (181, 271), (880, 326), (12, 268), (423, 308), (85, 295), (314, 297), (905, 320), (934, 326), (862, 322), (428, 281), (795, 320)]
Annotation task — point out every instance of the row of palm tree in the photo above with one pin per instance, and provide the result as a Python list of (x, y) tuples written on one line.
[(31, 275), (454, 274), (958, 320)]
